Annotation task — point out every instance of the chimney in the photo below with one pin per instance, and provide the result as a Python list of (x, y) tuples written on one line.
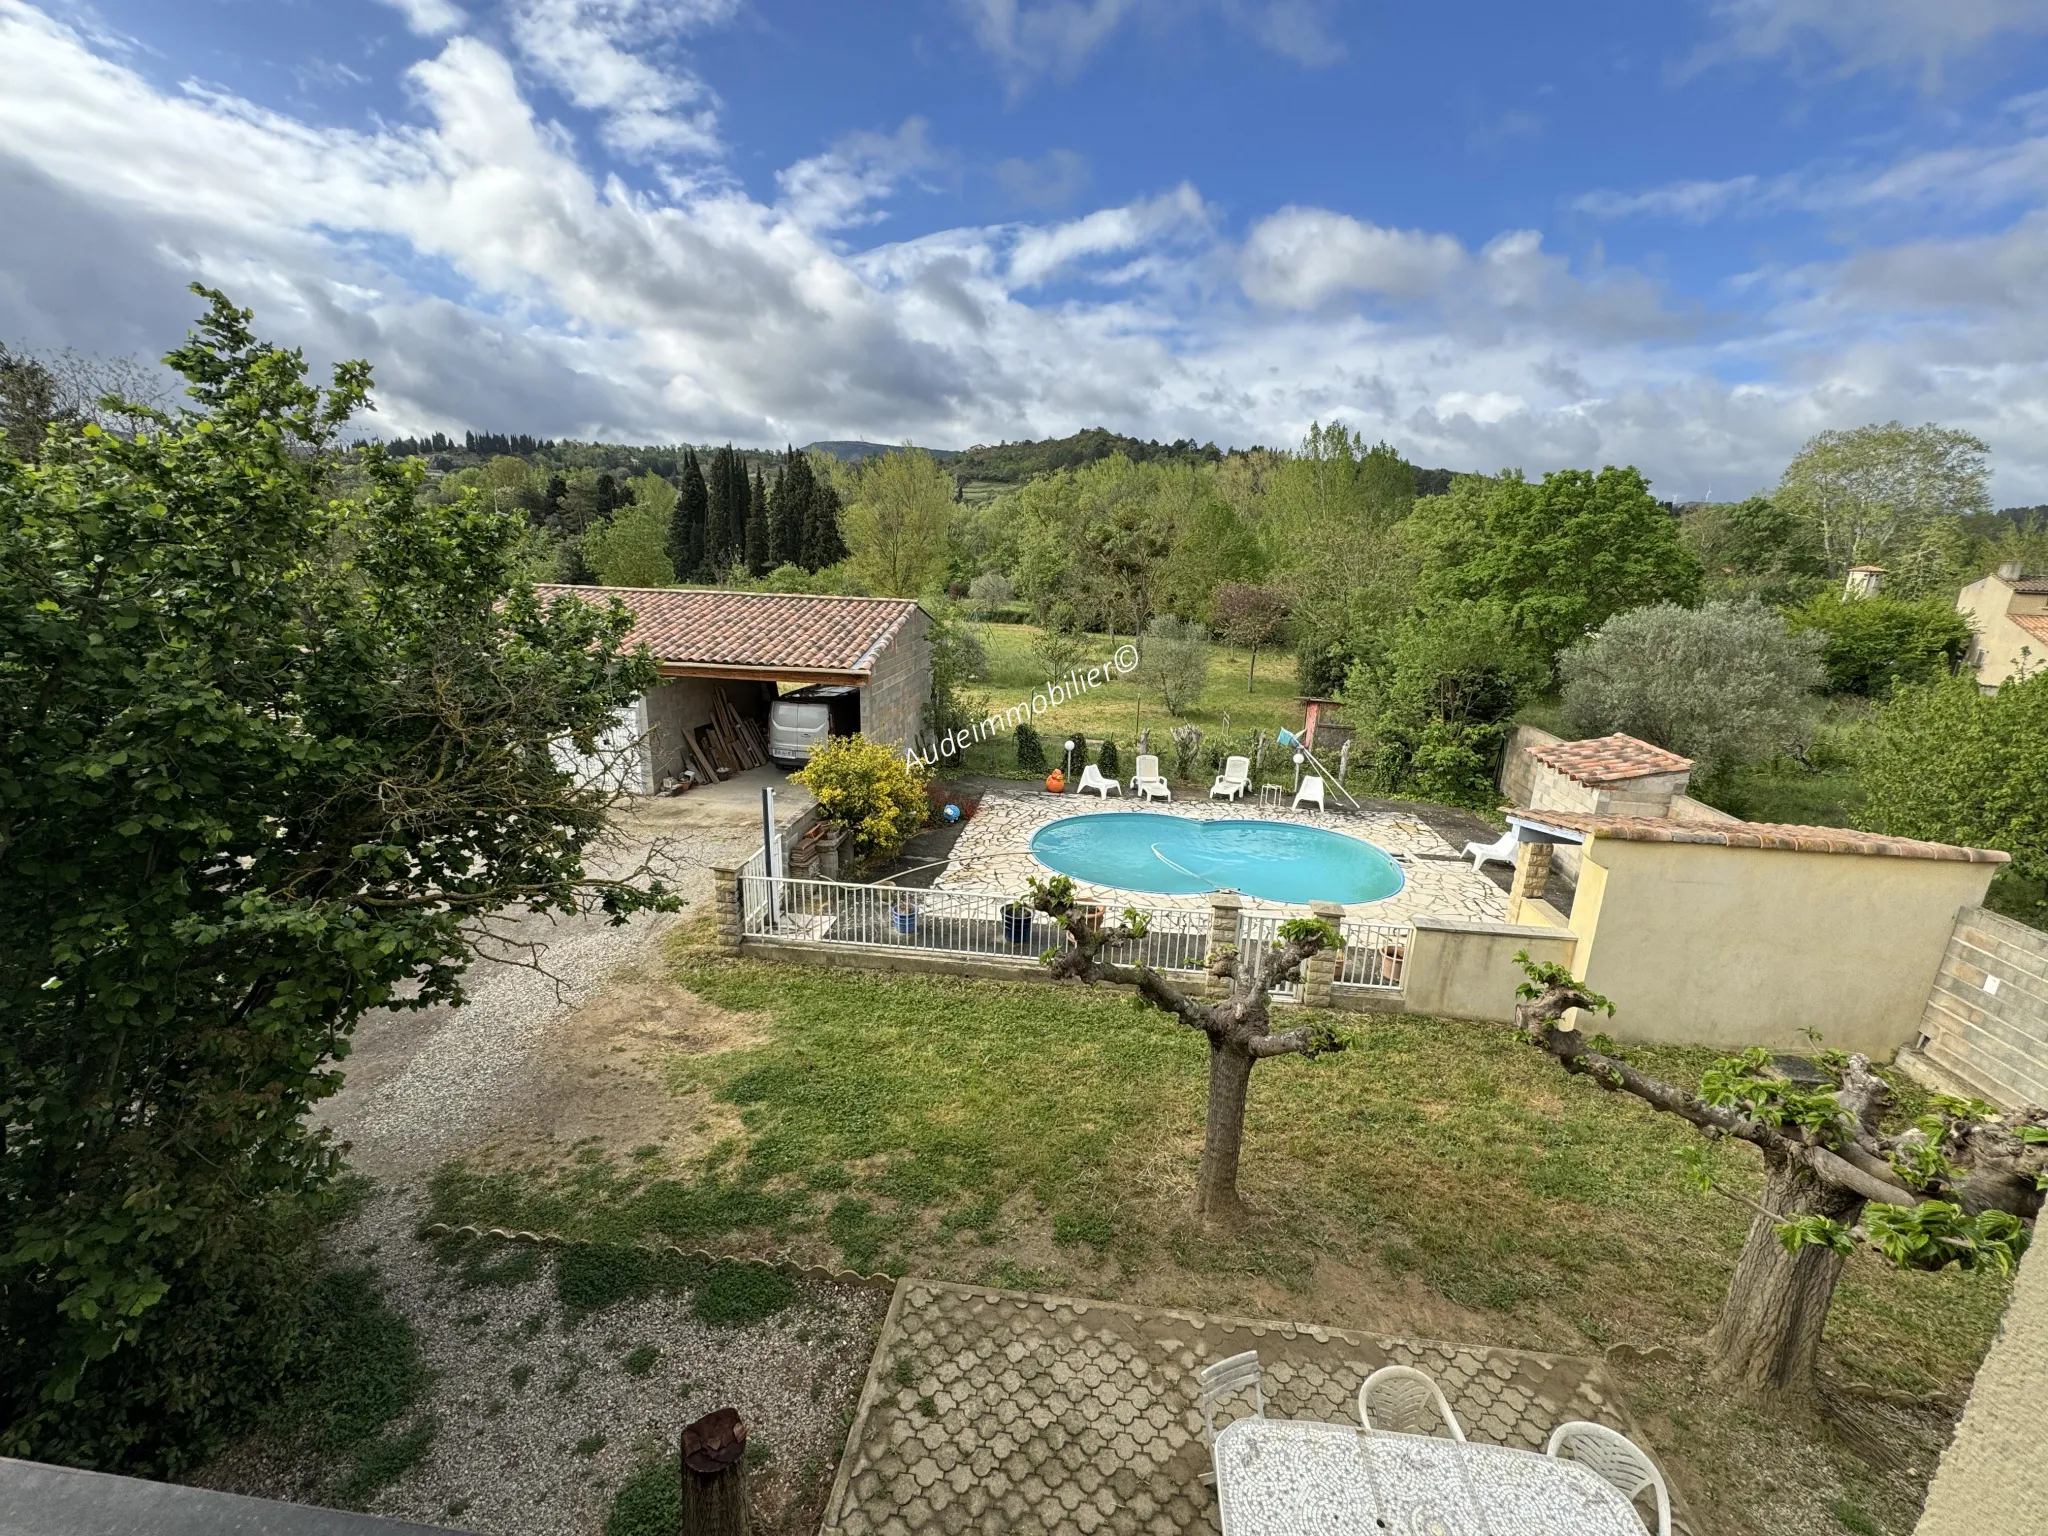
[(2010, 572), (1864, 581)]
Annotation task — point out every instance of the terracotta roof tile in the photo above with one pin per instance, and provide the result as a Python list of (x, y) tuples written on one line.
[(1754, 834), (2035, 624), (2032, 585), (711, 627), (1609, 759)]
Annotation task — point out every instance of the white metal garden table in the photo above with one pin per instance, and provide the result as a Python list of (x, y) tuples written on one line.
[(1295, 1477)]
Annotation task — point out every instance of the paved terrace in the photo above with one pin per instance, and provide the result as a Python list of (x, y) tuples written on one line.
[(993, 855), (994, 1411)]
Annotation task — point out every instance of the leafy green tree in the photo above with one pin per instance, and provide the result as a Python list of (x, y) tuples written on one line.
[(1173, 662), (1438, 702), (1947, 762), (686, 529), (896, 527), (1723, 684), (988, 592), (1210, 549), (1755, 548), (1843, 1168), (1869, 493), (1871, 644), (1561, 557), (630, 550), (267, 757)]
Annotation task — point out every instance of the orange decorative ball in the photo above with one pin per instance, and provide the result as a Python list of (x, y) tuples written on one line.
[(1056, 782)]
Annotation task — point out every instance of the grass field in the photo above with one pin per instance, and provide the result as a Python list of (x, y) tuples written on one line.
[(1437, 1178), (1119, 710)]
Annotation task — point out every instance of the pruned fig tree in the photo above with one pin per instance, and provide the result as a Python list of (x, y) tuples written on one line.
[(1238, 1025), (1958, 1185)]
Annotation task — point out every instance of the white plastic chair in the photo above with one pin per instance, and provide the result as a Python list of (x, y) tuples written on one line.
[(1500, 852), (1616, 1458), (1401, 1394), (1150, 782), (1219, 1381), (1234, 780), (1092, 778), (1311, 789)]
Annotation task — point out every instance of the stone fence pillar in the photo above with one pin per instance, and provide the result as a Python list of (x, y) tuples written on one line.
[(725, 903), (1223, 909), (1532, 877), (1319, 972)]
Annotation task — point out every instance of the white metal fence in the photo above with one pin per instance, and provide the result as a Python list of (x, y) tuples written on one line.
[(943, 922), (1375, 955), (972, 924)]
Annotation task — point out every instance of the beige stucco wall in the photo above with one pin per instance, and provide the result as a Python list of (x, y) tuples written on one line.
[(1467, 970), (2001, 647), (678, 705), (1993, 1478), (893, 701), (1744, 946)]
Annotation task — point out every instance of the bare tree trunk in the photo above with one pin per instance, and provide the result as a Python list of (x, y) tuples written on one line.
[(1230, 1080), (1768, 1337), (714, 1452)]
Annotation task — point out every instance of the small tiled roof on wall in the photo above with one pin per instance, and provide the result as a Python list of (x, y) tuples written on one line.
[(2035, 624), (1602, 760), (2032, 585), (1754, 834), (712, 627)]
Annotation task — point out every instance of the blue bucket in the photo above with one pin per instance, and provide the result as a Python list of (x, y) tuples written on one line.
[(904, 922)]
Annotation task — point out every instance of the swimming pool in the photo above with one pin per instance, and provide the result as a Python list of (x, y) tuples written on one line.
[(1178, 856)]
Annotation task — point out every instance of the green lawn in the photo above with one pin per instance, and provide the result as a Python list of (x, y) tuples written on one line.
[(1118, 710), (1438, 1177)]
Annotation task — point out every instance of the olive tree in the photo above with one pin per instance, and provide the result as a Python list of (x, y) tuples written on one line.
[(1173, 661), (1723, 684), (1238, 1025), (270, 757), (1955, 1186)]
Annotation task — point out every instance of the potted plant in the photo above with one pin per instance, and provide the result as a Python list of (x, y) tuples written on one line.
[(1017, 920), (1090, 914), (903, 914)]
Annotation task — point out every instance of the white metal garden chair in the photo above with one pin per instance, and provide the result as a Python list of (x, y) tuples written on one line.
[(1311, 789), (1223, 1379), (1234, 780), (1150, 782), (1501, 851), (1403, 1397), (1093, 778), (1616, 1458)]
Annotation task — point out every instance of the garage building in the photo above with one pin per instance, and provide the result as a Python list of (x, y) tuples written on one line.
[(723, 656)]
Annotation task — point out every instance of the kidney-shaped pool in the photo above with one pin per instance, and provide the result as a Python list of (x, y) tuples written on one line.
[(1178, 856)]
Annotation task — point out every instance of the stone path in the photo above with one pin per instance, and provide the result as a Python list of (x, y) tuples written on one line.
[(994, 1411), (993, 855)]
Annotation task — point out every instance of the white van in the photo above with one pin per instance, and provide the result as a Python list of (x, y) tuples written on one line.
[(798, 721)]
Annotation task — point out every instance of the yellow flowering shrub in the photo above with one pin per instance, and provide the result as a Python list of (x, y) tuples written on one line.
[(872, 791)]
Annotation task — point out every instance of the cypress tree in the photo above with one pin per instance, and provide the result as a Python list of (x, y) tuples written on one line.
[(757, 526), (607, 498), (725, 519), (822, 544), (686, 527), (789, 509)]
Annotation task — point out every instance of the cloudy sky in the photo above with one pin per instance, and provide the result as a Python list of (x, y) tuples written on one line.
[(1683, 235)]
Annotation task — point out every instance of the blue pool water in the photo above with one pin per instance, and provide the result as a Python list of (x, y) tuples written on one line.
[(1175, 856)]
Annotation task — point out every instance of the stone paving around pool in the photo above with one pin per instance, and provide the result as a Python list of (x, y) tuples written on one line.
[(995, 1411), (993, 855)]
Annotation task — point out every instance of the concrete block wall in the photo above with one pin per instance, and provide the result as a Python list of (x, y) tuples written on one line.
[(1986, 1022), (893, 702), (1518, 768)]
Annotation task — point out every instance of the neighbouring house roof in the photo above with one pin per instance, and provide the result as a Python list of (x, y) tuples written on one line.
[(2035, 624), (695, 628), (1614, 759), (1752, 834), (2032, 585)]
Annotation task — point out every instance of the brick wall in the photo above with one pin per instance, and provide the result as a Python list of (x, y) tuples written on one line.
[(1986, 1022), (892, 704)]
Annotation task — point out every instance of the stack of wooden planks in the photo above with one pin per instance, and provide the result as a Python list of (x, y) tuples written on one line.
[(726, 744)]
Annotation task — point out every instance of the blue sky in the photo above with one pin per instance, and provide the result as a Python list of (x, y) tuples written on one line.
[(1685, 236)]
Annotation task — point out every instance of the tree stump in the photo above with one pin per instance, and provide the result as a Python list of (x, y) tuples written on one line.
[(715, 1475)]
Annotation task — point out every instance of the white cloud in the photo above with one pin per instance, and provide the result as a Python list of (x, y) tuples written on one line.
[(1921, 36), (606, 57), (498, 281), (1057, 37), (429, 18)]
